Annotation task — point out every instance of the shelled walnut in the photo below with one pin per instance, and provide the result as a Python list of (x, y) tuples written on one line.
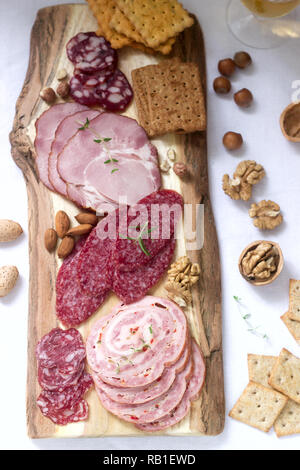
[(182, 275), (266, 215), (247, 173), (261, 262)]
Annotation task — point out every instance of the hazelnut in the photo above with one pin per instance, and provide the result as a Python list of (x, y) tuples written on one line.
[(48, 95), (63, 90), (180, 169), (226, 67), (243, 98), (232, 140), (222, 85), (242, 59)]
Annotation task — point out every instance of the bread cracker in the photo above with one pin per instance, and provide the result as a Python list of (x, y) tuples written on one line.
[(260, 368), (292, 325), (258, 406), (294, 307), (288, 421), (285, 375), (156, 20)]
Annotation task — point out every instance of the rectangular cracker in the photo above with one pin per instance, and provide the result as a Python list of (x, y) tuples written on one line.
[(258, 406), (260, 368), (294, 307), (292, 325), (285, 375), (156, 20), (288, 421)]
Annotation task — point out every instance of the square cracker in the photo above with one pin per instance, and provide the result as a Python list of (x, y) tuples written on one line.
[(156, 20), (294, 307), (285, 375), (292, 325), (260, 368), (258, 406), (288, 421)]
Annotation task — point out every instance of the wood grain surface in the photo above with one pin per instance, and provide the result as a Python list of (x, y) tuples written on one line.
[(53, 27)]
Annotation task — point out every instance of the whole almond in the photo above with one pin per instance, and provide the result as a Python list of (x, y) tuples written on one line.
[(9, 230), (50, 239), (82, 229), (86, 218), (8, 279), (66, 247), (62, 223)]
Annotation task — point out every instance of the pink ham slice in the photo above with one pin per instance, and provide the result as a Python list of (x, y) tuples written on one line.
[(46, 126), (137, 395), (124, 166), (154, 409), (192, 392), (132, 345), (65, 130)]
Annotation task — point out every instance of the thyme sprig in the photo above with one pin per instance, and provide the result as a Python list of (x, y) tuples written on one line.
[(246, 315), (139, 239)]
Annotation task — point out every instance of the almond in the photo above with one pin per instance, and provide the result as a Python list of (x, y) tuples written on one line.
[(66, 247), (8, 279), (86, 218), (9, 230), (82, 229), (62, 223), (50, 239)]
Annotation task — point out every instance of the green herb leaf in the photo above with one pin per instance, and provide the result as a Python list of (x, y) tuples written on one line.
[(98, 141), (114, 170), (107, 161), (143, 248), (150, 329), (115, 160), (107, 139), (85, 125)]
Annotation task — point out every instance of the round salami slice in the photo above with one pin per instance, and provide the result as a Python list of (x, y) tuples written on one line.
[(135, 396), (154, 409), (83, 94), (91, 53), (61, 349), (193, 390), (115, 93), (132, 345), (64, 416), (54, 380)]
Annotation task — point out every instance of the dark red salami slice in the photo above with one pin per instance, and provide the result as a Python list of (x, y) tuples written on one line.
[(83, 94), (153, 219), (54, 380), (115, 93), (131, 286), (64, 416), (91, 53)]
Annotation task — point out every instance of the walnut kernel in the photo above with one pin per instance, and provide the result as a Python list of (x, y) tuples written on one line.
[(247, 173), (260, 262), (182, 275), (266, 215)]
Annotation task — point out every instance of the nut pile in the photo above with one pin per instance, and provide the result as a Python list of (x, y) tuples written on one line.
[(260, 262), (247, 174), (63, 88), (182, 275)]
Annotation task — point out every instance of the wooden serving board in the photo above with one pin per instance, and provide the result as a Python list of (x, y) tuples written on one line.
[(53, 27)]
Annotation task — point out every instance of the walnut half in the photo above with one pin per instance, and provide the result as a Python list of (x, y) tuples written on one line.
[(247, 173), (182, 275), (266, 215), (260, 262)]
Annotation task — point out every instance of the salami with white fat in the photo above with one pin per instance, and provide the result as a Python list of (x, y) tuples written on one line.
[(63, 416), (115, 93)]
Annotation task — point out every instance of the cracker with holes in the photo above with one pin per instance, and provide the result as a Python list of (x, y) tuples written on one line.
[(292, 325), (156, 20), (294, 307), (260, 368), (285, 375), (288, 421), (258, 406)]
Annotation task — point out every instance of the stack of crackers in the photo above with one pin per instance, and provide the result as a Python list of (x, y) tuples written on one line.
[(149, 25), (292, 318), (272, 397), (169, 97)]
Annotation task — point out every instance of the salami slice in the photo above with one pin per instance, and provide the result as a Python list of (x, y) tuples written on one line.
[(154, 409), (192, 392), (83, 94), (132, 345), (54, 380), (91, 53), (115, 93), (64, 416), (135, 396)]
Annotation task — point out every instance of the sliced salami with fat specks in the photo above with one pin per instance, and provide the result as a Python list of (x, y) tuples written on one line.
[(85, 95), (54, 380), (91, 53), (137, 395), (115, 93), (154, 409), (79, 412), (132, 345), (192, 392)]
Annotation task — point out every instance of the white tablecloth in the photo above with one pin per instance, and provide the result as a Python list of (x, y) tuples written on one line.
[(270, 79)]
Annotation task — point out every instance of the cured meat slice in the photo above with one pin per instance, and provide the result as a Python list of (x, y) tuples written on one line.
[(46, 126), (131, 286), (192, 392), (54, 380), (138, 395), (153, 219), (79, 412), (132, 345), (63, 349), (103, 161), (91, 53), (154, 409), (65, 130), (115, 93), (83, 93)]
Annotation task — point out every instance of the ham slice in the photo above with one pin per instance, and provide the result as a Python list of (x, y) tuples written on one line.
[(46, 126), (111, 159)]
